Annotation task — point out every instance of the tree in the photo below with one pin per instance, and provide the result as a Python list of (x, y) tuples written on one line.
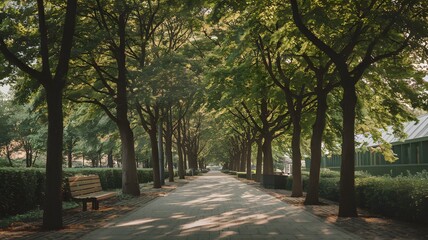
[(6, 126), (363, 35), (104, 60), (29, 128), (52, 79)]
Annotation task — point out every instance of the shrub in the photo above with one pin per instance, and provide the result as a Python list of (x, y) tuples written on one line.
[(21, 190), (241, 174), (110, 178), (401, 197), (305, 181), (404, 197), (329, 188), (327, 173)]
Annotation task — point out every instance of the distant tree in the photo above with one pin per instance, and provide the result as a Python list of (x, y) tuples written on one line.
[(6, 127)]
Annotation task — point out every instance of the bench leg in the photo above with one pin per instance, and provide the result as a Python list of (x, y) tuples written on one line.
[(85, 206), (95, 205)]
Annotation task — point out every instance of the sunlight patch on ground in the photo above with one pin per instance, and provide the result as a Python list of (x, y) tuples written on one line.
[(208, 199), (138, 222)]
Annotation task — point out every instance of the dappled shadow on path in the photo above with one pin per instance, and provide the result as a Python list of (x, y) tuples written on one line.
[(218, 208)]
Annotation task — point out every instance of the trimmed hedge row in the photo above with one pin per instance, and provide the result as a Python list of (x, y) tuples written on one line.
[(22, 189), (110, 178), (402, 197), (230, 172), (390, 169)]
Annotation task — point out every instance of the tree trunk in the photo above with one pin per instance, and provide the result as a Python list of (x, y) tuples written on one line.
[(8, 156), (168, 146), (161, 155), (155, 156), (110, 159), (312, 195), (259, 159), (184, 143), (129, 167), (181, 171), (347, 203), (70, 153), (35, 157), (243, 158), (297, 189), (249, 160), (267, 154), (237, 160), (28, 159), (52, 214), (185, 158)]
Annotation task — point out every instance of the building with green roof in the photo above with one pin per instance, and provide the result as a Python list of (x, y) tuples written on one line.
[(412, 151)]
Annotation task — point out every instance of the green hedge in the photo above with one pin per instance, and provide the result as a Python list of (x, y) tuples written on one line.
[(390, 169), (110, 178), (402, 197), (22, 189), (241, 174)]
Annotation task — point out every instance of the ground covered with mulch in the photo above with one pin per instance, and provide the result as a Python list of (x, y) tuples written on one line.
[(367, 225), (78, 223)]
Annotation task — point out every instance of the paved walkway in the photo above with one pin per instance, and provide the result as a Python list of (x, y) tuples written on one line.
[(217, 206)]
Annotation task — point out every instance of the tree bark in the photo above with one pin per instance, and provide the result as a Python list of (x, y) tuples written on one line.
[(52, 214), (155, 155), (70, 153), (259, 159), (129, 167), (181, 171), (8, 156), (267, 154), (243, 157), (312, 195), (110, 159), (347, 203), (160, 151), (249, 160), (168, 145), (297, 189)]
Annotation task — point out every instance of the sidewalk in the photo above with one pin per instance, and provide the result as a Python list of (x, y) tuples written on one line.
[(367, 225), (217, 206)]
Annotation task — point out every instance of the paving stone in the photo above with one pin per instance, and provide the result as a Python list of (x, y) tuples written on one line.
[(226, 209)]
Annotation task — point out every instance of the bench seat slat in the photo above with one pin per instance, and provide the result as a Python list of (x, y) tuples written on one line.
[(98, 195), (85, 191), (84, 182)]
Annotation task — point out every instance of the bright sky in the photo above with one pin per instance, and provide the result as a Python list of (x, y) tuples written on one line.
[(4, 89)]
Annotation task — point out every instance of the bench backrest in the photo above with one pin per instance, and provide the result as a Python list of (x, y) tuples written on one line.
[(80, 185)]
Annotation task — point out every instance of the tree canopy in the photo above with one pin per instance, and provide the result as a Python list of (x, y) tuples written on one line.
[(235, 83)]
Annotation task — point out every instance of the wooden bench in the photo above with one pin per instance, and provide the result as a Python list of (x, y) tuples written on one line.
[(88, 189)]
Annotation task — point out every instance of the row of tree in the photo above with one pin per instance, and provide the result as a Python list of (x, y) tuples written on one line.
[(348, 67), (123, 68), (193, 78)]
